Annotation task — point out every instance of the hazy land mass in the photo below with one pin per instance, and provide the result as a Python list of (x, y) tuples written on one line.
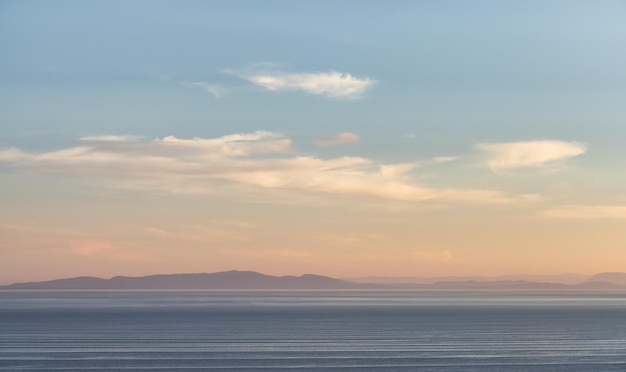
[(250, 280)]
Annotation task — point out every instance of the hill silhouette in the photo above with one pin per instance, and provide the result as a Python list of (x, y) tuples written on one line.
[(233, 280), (613, 277), (250, 280)]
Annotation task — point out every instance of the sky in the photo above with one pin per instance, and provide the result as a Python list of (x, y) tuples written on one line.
[(347, 139)]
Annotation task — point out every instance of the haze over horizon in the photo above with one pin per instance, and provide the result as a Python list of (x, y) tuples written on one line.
[(345, 139)]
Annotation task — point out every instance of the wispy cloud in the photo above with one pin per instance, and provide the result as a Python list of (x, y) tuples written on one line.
[(209, 232), (110, 138), (233, 145), (587, 212), (354, 240), (345, 137), (216, 90), (444, 159), (257, 161), (102, 249), (332, 84), (88, 247), (34, 229), (510, 155)]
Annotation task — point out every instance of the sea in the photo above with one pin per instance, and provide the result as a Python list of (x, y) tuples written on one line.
[(312, 331)]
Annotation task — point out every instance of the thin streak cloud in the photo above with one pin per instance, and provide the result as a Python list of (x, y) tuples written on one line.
[(587, 212), (216, 90), (345, 137)]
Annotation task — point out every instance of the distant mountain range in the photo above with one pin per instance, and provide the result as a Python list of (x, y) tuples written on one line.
[(560, 278), (233, 280), (250, 280), (616, 278)]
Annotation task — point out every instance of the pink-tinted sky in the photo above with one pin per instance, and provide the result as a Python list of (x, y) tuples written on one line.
[(344, 139)]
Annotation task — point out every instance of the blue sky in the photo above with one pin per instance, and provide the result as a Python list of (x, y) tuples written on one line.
[(483, 70), (523, 99)]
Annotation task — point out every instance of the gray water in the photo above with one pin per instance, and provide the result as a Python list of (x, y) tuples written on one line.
[(317, 331)]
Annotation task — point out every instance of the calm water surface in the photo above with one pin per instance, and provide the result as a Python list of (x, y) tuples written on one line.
[(318, 331)]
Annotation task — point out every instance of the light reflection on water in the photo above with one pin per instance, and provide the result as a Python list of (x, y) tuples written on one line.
[(321, 331)]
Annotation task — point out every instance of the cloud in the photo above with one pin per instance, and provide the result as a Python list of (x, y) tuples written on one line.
[(345, 137), (510, 155), (394, 170), (102, 249), (216, 90), (88, 247), (34, 229), (332, 84), (587, 212), (207, 232), (110, 138), (354, 240), (444, 159), (239, 144), (256, 162)]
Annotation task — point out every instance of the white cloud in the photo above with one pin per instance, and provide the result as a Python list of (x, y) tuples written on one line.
[(239, 144), (216, 90), (332, 84), (110, 138), (510, 155), (247, 161), (444, 159), (587, 212), (345, 137), (394, 170), (11, 154)]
